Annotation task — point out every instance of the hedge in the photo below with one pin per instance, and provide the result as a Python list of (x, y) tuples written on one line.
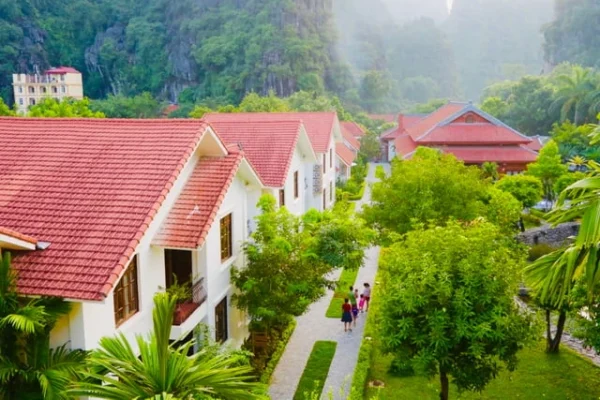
[(265, 377), (360, 194)]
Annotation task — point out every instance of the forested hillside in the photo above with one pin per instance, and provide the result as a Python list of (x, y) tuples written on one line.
[(573, 36), (215, 48)]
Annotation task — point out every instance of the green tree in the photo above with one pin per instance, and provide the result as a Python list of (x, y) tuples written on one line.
[(270, 103), (66, 108), (490, 170), (140, 106), (375, 88), (429, 107), (574, 141), (117, 372), (577, 95), (288, 260), (495, 106), (548, 168), (567, 180), (525, 188), (502, 209), (430, 187), (29, 369), (447, 301), (370, 147), (199, 111), (5, 111)]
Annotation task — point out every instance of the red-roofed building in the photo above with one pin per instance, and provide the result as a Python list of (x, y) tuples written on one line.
[(353, 129), (324, 131), (56, 83), (281, 153), (105, 213), (465, 131)]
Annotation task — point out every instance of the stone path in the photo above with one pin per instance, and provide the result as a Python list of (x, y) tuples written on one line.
[(314, 326)]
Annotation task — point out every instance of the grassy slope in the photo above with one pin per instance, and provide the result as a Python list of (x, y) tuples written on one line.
[(347, 279), (316, 370)]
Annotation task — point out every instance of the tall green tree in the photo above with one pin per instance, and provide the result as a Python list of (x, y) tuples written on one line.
[(29, 369), (447, 301), (163, 368), (548, 168), (578, 95), (65, 108), (5, 111), (525, 188), (120, 106)]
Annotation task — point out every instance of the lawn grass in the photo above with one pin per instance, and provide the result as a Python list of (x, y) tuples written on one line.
[(347, 279), (316, 370)]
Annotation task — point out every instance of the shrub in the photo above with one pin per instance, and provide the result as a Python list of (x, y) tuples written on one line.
[(539, 250), (265, 377), (401, 367), (531, 220)]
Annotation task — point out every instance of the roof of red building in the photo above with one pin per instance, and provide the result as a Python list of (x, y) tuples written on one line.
[(353, 128), (197, 206), (269, 146), (498, 154), (475, 133), (89, 187), (537, 142), (407, 120), (404, 145), (318, 125), (345, 154), (62, 70), (426, 123), (17, 235), (348, 137)]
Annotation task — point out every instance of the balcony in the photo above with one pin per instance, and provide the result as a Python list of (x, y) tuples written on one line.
[(187, 307)]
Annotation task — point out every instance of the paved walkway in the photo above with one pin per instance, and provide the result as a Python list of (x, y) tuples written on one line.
[(314, 326)]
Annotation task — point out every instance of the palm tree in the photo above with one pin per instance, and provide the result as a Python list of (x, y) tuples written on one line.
[(577, 95), (29, 369), (163, 370), (577, 163)]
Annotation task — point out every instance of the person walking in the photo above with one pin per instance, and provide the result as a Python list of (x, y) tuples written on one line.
[(347, 315), (367, 295), (353, 303), (361, 303), (355, 306)]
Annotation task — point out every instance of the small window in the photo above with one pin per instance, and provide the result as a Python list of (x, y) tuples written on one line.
[(126, 301), (281, 197), (31, 89), (296, 185), (63, 89), (18, 77), (330, 158), (221, 334), (324, 199), (43, 89), (226, 238), (20, 102), (62, 78), (20, 89), (324, 163), (32, 102), (54, 89), (470, 119)]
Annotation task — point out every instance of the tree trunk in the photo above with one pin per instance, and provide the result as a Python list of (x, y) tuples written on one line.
[(521, 224), (444, 383), (553, 343)]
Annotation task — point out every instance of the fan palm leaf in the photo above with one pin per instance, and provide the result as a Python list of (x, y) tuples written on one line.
[(163, 370)]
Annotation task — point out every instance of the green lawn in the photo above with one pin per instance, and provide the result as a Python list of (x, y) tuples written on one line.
[(316, 370), (347, 279)]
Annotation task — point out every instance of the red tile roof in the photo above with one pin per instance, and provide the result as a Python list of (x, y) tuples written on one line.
[(536, 143), (62, 70), (196, 208), (461, 133), (345, 154), (90, 187), (348, 137), (269, 146), (404, 145), (498, 154), (425, 124), (353, 128), (405, 121), (318, 125), (17, 235)]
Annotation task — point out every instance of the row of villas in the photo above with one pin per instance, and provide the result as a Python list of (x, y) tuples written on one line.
[(106, 213)]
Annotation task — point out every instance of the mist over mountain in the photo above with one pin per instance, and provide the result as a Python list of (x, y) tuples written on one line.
[(406, 10)]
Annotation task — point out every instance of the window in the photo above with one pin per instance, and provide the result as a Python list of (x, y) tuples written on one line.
[(221, 333), (226, 238), (470, 119), (324, 199), (54, 89), (62, 78), (31, 89), (20, 102), (324, 163), (296, 185), (281, 197), (330, 158), (330, 191), (126, 301), (63, 89), (20, 89), (32, 102), (43, 89)]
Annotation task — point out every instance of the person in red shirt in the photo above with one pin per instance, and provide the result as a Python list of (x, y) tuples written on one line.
[(347, 315)]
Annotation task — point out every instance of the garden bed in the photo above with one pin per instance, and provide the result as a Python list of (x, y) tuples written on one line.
[(316, 370)]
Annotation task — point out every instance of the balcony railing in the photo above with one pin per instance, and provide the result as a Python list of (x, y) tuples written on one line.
[(186, 308)]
